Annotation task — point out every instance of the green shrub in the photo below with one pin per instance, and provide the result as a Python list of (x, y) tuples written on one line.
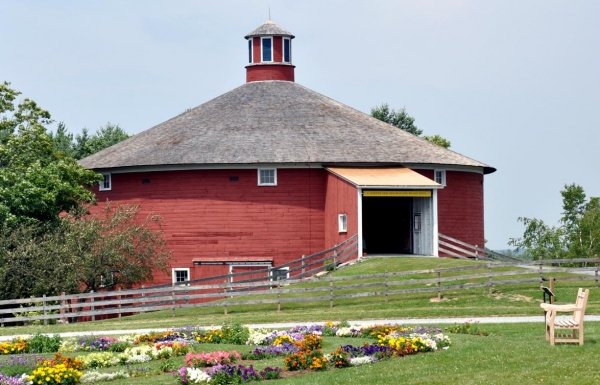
[(41, 343), (235, 333)]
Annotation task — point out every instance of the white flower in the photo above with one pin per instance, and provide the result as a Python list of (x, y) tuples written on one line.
[(356, 361), (95, 376), (197, 376)]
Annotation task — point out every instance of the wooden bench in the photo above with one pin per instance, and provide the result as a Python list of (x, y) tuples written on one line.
[(567, 330)]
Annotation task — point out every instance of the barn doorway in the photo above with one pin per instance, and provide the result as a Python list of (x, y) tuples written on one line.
[(387, 225)]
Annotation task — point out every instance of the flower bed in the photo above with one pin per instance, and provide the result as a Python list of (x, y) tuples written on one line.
[(300, 348)]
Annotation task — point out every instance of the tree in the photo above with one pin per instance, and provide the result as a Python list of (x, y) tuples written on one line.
[(63, 140), (117, 249), (400, 119), (34, 260), (437, 139), (84, 253), (576, 236), (47, 242), (37, 182), (86, 145), (404, 121)]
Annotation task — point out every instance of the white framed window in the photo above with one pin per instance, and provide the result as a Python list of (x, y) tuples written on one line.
[(106, 183), (250, 50), (267, 177), (180, 274), (440, 176), (266, 45), (287, 49), (342, 223), (280, 274)]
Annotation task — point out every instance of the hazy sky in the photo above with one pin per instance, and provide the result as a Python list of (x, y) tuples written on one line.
[(514, 84)]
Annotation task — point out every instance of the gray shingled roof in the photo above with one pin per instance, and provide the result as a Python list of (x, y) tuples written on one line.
[(269, 28), (274, 122)]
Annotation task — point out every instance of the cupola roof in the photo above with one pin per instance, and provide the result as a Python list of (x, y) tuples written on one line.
[(270, 28)]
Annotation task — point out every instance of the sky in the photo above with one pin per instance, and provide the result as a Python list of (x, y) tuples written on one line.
[(512, 83)]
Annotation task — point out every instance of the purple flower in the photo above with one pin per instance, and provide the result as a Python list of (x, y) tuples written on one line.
[(12, 380)]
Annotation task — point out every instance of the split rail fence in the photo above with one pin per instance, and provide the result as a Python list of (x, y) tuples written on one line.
[(324, 290)]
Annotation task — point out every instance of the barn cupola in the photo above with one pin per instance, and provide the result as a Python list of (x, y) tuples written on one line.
[(269, 54)]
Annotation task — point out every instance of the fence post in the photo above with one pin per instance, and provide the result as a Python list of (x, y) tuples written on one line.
[(143, 302), (92, 305), (439, 285), (225, 298), (330, 292), (119, 303), (476, 252), (596, 272), (490, 281), (552, 279), (278, 301), (173, 300), (303, 264), (63, 305), (335, 258), (385, 287), (44, 309)]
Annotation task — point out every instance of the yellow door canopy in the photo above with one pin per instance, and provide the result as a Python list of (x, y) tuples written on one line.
[(400, 178)]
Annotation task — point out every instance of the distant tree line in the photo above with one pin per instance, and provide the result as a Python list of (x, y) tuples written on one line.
[(404, 121), (576, 236), (48, 242)]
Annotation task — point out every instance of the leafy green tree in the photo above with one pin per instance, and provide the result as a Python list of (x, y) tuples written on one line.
[(63, 140), (86, 145), (400, 119), (37, 182), (437, 139), (34, 260), (404, 121), (116, 249), (577, 235), (47, 242)]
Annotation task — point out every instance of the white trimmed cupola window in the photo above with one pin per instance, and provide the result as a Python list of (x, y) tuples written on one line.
[(249, 50), (287, 49), (267, 177), (180, 275), (440, 176), (266, 44), (106, 182)]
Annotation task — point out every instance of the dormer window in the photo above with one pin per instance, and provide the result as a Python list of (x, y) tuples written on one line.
[(287, 50), (267, 49)]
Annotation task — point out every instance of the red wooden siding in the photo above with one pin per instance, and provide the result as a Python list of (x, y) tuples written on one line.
[(207, 213), (261, 72), (277, 49), (460, 206), (340, 198), (256, 50)]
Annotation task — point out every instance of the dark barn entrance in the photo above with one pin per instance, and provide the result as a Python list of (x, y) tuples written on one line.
[(387, 225)]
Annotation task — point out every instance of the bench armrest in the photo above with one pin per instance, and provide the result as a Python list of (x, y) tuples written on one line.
[(559, 308)]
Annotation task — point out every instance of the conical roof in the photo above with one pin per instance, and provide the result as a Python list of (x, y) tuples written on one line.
[(269, 28), (274, 122)]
